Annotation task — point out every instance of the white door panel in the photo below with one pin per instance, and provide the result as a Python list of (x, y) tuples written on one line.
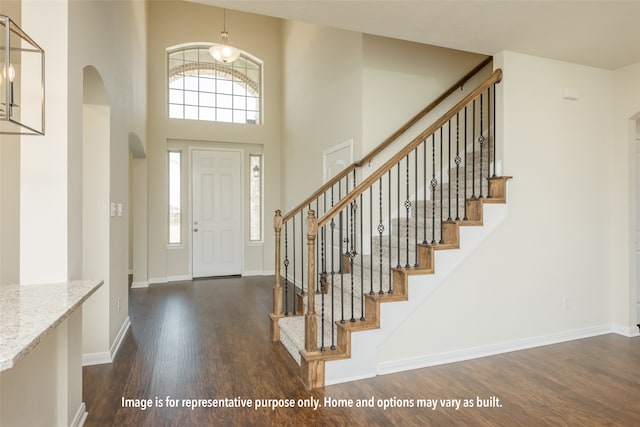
[(217, 225)]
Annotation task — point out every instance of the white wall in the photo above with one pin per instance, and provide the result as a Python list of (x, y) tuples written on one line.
[(556, 240), (623, 195), (175, 22)]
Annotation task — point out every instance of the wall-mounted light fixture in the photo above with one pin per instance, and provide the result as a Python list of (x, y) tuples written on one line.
[(21, 81)]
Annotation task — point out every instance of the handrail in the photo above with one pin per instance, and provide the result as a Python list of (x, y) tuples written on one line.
[(384, 144), (496, 77)]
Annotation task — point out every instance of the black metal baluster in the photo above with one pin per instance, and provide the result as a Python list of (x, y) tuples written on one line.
[(390, 252), (415, 211), (481, 141), (286, 269), (424, 192), (473, 159), (407, 207), (495, 145), (341, 238), (352, 255), (333, 272), (466, 177), (441, 183), (380, 231), (449, 172), (434, 183), (371, 240), (398, 226), (323, 284), (302, 251), (293, 239), (489, 137), (458, 161), (361, 261)]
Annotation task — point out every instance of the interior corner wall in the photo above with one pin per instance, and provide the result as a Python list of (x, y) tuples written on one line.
[(172, 23), (623, 194), (554, 245), (322, 102), (400, 78)]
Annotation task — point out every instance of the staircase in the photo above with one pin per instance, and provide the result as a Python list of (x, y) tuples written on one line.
[(355, 243)]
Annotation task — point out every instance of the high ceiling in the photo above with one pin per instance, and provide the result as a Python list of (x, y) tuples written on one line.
[(603, 34)]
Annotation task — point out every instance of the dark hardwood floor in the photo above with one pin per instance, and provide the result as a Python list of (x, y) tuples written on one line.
[(209, 339)]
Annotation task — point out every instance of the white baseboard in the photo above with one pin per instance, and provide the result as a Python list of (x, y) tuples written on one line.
[(626, 331), (136, 285), (269, 273), (153, 280), (252, 273), (489, 350), (91, 359), (120, 337), (80, 417), (179, 278)]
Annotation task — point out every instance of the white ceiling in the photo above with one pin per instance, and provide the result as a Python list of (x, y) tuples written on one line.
[(604, 34)]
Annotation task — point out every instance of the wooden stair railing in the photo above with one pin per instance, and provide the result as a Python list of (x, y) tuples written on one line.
[(477, 113), (280, 293)]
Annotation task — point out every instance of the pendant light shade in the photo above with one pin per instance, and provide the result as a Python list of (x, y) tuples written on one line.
[(223, 52)]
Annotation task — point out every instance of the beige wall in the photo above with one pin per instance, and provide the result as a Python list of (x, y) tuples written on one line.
[(10, 187), (557, 239), (119, 58), (172, 23), (322, 103), (400, 78)]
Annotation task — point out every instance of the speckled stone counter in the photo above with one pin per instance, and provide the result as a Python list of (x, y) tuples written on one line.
[(29, 312)]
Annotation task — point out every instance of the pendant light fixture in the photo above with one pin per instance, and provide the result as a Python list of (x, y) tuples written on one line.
[(21, 81), (223, 52)]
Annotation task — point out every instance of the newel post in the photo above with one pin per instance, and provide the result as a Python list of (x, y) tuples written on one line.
[(277, 287), (310, 319)]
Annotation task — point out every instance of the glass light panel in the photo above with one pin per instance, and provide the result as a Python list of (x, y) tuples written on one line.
[(175, 200), (255, 213)]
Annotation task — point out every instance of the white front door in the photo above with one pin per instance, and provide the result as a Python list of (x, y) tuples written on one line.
[(217, 213)]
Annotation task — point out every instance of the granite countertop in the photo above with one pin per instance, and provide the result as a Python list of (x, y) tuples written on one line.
[(29, 312)]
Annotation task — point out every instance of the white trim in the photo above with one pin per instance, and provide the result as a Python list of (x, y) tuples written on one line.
[(137, 285), (269, 273), (80, 417), (625, 331), (120, 337), (153, 280), (91, 359), (489, 350), (180, 278), (253, 273)]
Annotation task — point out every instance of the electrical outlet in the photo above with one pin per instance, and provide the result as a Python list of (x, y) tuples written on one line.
[(118, 304), (565, 302)]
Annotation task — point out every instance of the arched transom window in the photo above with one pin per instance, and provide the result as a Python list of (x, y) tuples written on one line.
[(201, 88)]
